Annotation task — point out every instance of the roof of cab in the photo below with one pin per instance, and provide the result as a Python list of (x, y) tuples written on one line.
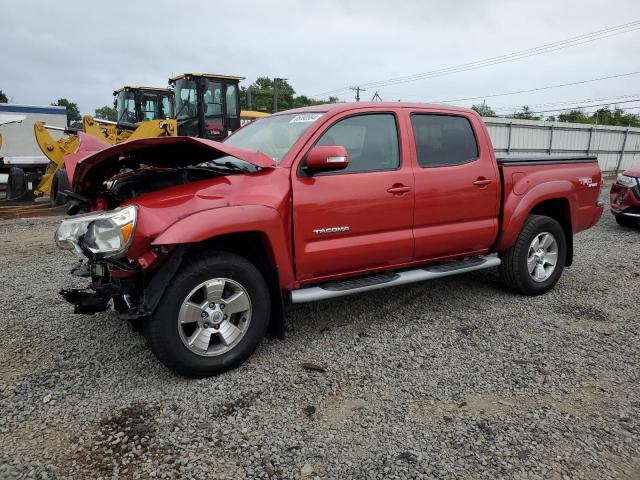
[(206, 75), (341, 107), (146, 89)]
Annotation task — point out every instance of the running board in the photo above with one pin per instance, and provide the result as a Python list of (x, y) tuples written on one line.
[(376, 281)]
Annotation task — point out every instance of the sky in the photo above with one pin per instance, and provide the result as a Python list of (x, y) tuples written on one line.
[(83, 52)]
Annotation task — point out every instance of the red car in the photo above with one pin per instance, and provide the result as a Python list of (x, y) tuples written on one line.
[(204, 243), (625, 198)]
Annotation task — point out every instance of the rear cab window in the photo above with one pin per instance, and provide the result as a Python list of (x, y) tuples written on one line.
[(443, 140)]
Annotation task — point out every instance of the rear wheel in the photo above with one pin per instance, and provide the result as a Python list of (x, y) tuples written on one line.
[(627, 221), (534, 264), (16, 183), (211, 317)]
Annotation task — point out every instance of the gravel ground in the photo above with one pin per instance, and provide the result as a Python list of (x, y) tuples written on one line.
[(450, 379)]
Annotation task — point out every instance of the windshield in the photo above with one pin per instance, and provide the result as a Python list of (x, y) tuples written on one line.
[(149, 106), (167, 106), (273, 135), (185, 95), (126, 107)]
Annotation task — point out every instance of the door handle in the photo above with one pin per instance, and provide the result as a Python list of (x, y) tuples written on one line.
[(482, 182), (399, 189)]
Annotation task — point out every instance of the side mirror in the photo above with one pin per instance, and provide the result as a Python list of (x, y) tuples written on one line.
[(325, 158)]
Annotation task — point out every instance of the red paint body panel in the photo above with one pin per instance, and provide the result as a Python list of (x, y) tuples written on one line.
[(87, 145), (429, 214), (548, 182)]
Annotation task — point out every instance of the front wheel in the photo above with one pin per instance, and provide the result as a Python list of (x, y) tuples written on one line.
[(211, 317), (534, 264)]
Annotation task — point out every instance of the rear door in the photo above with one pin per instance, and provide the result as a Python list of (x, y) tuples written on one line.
[(457, 186), (359, 218)]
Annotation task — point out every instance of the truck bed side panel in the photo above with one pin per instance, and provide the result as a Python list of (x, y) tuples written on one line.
[(527, 185)]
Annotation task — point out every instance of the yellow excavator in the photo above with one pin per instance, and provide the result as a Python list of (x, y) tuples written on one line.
[(199, 105)]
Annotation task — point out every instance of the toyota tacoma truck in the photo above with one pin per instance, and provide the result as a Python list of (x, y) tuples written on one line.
[(203, 244)]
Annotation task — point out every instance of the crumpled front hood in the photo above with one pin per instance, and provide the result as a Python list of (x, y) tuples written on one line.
[(95, 167)]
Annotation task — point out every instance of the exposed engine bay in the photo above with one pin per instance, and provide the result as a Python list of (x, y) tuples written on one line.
[(131, 184)]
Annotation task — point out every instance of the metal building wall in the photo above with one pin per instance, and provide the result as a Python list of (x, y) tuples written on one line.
[(617, 148)]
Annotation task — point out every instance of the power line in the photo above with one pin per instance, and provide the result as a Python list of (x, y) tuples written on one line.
[(580, 82), (577, 107), (546, 48), (564, 102)]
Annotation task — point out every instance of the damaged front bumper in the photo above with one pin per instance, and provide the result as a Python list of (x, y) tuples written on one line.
[(85, 302), (134, 296)]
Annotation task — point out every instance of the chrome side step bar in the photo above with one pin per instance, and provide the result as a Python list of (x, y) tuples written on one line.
[(392, 279)]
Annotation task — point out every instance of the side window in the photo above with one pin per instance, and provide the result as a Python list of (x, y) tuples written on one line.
[(443, 140), (371, 141)]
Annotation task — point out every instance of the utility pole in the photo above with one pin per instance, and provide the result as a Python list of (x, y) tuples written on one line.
[(275, 92), (376, 97), (358, 90)]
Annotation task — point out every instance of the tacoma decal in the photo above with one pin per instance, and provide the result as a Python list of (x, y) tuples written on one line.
[(320, 231)]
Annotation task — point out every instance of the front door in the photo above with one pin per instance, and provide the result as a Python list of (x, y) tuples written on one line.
[(361, 217)]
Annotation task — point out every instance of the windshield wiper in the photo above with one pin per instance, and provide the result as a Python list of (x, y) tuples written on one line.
[(213, 165)]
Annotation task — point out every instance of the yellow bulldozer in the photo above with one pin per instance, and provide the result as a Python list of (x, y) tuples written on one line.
[(199, 105)]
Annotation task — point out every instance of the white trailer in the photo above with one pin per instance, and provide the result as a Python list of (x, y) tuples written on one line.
[(18, 148)]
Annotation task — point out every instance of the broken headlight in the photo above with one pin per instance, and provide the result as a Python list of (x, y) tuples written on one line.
[(106, 234), (627, 181)]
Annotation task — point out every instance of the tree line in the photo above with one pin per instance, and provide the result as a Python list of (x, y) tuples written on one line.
[(259, 96), (602, 116)]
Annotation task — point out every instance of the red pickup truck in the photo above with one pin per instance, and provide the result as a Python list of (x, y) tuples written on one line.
[(203, 243)]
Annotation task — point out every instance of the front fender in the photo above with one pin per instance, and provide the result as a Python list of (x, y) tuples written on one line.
[(211, 223), (517, 208)]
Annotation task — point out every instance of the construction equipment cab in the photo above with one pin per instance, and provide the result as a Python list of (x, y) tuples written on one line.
[(140, 104), (206, 105)]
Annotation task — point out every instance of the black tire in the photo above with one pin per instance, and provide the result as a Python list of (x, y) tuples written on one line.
[(16, 183), (513, 270), (627, 222), (161, 330), (59, 184)]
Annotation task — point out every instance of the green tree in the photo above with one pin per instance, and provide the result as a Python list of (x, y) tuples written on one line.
[(107, 113), (573, 116), (3, 97), (524, 114), (73, 112), (484, 110), (262, 96), (602, 116)]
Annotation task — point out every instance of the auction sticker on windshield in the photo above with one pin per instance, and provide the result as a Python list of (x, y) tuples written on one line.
[(305, 117)]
